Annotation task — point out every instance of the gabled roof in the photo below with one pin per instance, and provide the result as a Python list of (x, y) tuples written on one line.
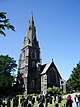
[(46, 68)]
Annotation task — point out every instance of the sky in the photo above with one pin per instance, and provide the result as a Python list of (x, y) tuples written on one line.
[(57, 28)]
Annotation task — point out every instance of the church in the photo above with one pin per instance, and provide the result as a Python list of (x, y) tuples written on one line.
[(37, 77)]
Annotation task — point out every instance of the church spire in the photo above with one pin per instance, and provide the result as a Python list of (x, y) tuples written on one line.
[(31, 21), (30, 58), (31, 33)]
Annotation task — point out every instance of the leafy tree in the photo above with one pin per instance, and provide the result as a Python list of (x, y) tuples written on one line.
[(4, 23), (73, 82), (56, 90), (53, 90), (7, 66), (50, 90)]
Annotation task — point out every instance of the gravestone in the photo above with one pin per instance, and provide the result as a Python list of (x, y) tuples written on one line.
[(33, 100), (25, 102), (0, 101), (8, 103), (15, 101), (41, 104), (50, 100), (29, 105)]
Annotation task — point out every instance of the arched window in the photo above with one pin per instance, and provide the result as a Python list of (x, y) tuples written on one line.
[(52, 76), (33, 63), (33, 54)]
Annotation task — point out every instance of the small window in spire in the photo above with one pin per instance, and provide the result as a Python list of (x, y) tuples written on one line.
[(30, 27), (29, 41)]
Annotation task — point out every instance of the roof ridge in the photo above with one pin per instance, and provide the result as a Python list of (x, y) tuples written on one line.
[(46, 67)]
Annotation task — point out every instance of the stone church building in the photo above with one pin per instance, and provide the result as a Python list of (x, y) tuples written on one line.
[(37, 77)]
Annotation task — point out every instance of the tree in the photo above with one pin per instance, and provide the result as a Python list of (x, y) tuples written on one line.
[(54, 90), (7, 66), (4, 23), (73, 82), (50, 90)]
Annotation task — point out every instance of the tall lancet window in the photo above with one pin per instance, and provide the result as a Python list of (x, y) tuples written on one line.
[(33, 54), (33, 63)]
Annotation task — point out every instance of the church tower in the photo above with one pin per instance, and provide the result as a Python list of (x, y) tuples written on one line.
[(29, 61)]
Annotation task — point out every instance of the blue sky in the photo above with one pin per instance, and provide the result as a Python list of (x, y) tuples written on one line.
[(58, 30)]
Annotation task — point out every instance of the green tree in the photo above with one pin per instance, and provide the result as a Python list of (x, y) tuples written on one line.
[(7, 66), (50, 90), (4, 23), (73, 82), (56, 90), (53, 90)]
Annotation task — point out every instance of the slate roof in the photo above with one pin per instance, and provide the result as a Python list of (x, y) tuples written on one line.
[(46, 66)]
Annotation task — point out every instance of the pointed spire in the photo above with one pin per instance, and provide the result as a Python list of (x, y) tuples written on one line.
[(31, 21), (52, 60), (31, 38)]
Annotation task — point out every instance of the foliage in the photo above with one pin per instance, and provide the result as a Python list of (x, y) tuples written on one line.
[(73, 82), (56, 90), (7, 65), (50, 90), (53, 90), (4, 23)]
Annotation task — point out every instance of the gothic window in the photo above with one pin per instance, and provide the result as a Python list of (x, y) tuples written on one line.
[(29, 41), (33, 63), (30, 27), (33, 54), (53, 77)]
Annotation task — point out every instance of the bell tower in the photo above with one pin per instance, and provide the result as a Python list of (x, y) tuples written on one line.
[(29, 61)]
